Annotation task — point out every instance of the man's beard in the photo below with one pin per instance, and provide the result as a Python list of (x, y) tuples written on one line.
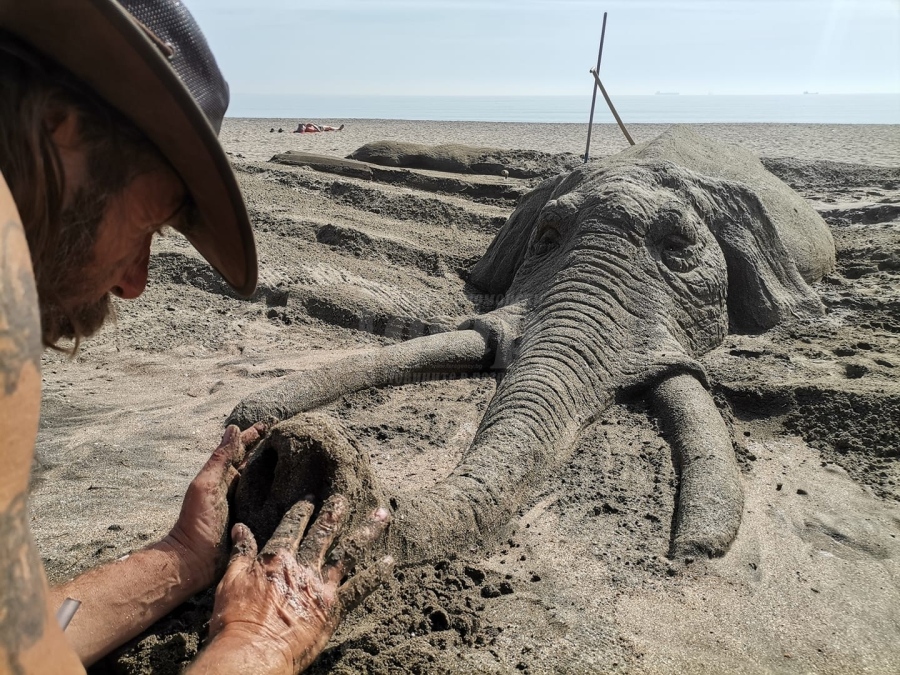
[(64, 280), (76, 323)]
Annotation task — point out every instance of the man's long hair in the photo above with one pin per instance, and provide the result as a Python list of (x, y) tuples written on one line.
[(33, 93)]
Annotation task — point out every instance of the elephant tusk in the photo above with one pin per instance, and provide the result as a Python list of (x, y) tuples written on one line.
[(710, 496), (430, 357)]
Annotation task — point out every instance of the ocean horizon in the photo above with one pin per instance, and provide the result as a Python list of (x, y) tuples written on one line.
[(810, 108)]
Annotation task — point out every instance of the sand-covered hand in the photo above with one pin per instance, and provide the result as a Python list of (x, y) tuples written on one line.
[(201, 532), (288, 599)]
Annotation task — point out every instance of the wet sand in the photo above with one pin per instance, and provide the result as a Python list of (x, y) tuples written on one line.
[(812, 583)]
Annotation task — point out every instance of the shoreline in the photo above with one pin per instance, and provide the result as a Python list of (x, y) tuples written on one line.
[(872, 144)]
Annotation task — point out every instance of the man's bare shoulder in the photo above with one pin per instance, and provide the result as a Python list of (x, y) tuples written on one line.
[(20, 329)]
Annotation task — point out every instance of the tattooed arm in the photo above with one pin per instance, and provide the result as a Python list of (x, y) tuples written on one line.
[(30, 640)]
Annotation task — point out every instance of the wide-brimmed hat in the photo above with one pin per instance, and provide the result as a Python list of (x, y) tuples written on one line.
[(149, 60)]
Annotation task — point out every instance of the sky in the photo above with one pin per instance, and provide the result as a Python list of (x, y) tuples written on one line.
[(546, 47)]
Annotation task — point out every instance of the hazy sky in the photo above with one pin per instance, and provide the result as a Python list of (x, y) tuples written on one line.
[(535, 47)]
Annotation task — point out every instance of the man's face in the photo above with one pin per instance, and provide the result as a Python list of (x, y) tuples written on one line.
[(122, 251), (107, 247)]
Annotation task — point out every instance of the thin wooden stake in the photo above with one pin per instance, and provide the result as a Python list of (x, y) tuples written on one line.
[(587, 150), (611, 106)]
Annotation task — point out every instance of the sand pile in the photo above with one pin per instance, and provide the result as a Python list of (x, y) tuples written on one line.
[(465, 159)]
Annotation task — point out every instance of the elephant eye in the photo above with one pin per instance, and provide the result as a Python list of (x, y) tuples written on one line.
[(546, 241), (548, 236), (680, 253)]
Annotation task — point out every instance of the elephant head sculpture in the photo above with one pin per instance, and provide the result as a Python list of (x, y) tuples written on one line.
[(609, 281)]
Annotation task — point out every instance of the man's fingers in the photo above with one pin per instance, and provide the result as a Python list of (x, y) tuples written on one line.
[(361, 586), (290, 530), (323, 531), (233, 444), (222, 465), (251, 435), (248, 438), (222, 455), (231, 437), (216, 467), (231, 476), (243, 543), (353, 546), (235, 441)]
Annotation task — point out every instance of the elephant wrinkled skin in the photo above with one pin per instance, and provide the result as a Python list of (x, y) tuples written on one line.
[(609, 281)]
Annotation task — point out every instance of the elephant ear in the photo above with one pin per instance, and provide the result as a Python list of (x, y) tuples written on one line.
[(496, 270), (765, 286)]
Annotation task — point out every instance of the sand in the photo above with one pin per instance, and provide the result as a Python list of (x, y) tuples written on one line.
[(812, 582), (877, 145)]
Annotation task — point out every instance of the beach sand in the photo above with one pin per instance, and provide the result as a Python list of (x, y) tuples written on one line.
[(812, 583), (877, 145)]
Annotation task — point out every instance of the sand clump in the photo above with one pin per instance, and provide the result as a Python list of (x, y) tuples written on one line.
[(307, 456)]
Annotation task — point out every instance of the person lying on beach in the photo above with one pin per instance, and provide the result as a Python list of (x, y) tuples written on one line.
[(87, 177), (308, 128)]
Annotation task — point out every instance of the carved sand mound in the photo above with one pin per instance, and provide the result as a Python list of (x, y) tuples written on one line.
[(454, 158)]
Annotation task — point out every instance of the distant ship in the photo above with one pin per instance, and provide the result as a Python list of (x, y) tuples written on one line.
[(811, 93), (667, 93)]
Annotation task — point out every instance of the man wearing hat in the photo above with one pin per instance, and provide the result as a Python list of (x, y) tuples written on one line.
[(109, 115)]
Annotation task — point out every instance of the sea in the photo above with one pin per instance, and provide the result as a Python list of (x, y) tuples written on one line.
[(662, 108)]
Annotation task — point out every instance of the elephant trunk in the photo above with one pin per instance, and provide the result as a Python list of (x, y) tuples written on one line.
[(554, 387), (524, 435), (424, 358)]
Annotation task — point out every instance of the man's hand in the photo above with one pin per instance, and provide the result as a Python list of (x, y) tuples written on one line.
[(277, 610), (201, 533), (124, 597)]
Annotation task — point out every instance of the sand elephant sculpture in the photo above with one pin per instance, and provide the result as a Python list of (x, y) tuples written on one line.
[(609, 281)]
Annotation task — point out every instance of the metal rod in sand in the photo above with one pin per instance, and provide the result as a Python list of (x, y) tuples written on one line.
[(587, 150), (611, 106)]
